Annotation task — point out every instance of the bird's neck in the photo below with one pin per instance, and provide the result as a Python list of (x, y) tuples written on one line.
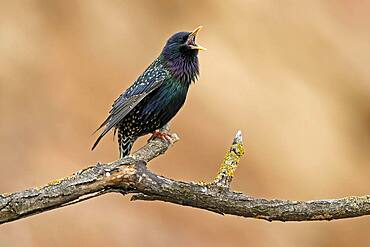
[(183, 68)]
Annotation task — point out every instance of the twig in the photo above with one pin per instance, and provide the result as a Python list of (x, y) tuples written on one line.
[(131, 176)]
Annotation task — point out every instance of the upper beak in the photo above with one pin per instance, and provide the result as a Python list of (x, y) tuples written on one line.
[(191, 40)]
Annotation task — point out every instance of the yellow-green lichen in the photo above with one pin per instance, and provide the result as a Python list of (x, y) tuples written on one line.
[(55, 182), (230, 162), (58, 181)]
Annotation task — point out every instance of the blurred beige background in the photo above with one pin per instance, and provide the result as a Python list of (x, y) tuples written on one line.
[(292, 75)]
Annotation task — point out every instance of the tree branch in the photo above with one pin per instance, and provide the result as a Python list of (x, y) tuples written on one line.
[(130, 175)]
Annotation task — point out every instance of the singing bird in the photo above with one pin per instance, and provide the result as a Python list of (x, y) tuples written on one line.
[(157, 95)]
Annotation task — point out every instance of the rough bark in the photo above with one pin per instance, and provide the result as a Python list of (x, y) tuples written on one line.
[(131, 176)]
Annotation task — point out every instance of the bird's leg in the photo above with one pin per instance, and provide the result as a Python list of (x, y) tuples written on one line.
[(162, 135)]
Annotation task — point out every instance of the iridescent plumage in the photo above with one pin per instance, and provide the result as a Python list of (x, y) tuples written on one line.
[(157, 95)]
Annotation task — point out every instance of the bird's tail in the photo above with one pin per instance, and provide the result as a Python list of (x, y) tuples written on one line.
[(125, 144), (102, 134), (96, 142)]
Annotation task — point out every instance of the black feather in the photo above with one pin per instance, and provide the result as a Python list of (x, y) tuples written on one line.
[(155, 97)]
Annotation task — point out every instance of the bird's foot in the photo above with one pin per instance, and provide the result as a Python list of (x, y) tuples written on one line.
[(162, 135)]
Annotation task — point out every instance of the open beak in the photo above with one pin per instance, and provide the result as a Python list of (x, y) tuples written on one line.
[(191, 40)]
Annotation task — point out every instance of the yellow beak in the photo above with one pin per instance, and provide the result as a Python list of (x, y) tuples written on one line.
[(191, 39)]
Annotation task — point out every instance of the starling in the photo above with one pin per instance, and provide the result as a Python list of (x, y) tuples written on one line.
[(157, 95)]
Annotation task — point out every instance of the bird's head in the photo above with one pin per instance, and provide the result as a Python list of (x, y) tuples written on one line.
[(181, 53), (183, 43)]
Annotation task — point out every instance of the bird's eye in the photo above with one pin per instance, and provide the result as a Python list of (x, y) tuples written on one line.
[(184, 39)]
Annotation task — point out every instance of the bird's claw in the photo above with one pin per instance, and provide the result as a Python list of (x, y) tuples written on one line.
[(161, 135)]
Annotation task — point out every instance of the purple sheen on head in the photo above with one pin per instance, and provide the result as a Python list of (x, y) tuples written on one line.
[(181, 59)]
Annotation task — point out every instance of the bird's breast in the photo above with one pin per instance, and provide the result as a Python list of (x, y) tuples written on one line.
[(166, 101)]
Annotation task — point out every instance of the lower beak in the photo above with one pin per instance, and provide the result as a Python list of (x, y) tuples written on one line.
[(197, 47), (191, 40)]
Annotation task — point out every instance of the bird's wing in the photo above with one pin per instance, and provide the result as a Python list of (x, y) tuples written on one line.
[(150, 80)]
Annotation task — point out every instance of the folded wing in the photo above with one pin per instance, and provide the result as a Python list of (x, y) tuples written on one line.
[(151, 79)]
